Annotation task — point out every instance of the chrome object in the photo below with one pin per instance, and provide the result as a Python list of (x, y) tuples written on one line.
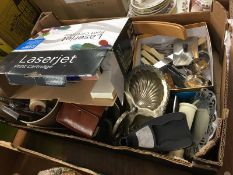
[(146, 92)]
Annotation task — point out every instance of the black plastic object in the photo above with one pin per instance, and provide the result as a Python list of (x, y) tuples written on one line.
[(166, 133)]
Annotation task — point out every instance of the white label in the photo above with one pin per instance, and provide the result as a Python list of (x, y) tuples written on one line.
[(145, 138), (159, 64)]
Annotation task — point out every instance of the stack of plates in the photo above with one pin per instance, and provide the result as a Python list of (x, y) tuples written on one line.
[(151, 7)]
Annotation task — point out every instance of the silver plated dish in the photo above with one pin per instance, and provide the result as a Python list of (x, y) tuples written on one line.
[(146, 92)]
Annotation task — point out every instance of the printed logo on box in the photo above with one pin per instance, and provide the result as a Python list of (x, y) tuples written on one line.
[(30, 44)]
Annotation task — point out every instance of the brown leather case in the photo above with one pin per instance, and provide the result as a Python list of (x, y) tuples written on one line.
[(82, 119)]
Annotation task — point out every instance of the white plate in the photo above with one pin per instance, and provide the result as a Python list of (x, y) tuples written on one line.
[(169, 9), (146, 4)]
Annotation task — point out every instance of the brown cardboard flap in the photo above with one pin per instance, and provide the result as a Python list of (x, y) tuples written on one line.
[(70, 9), (218, 19), (81, 90), (181, 18), (7, 145), (76, 140), (79, 21), (231, 9), (225, 75), (19, 138), (223, 136), (224, 82), (78, 93), (205, 149), (159, 28), (45, 20), (218, 69)]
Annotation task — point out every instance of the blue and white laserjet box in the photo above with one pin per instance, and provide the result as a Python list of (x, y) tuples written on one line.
[(71, 54)]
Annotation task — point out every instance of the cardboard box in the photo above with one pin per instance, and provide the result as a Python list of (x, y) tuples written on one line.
[(4, 49), (76, 9), (53, 59), (23, 161), (17, 19), (193, 30), (217, 24)]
